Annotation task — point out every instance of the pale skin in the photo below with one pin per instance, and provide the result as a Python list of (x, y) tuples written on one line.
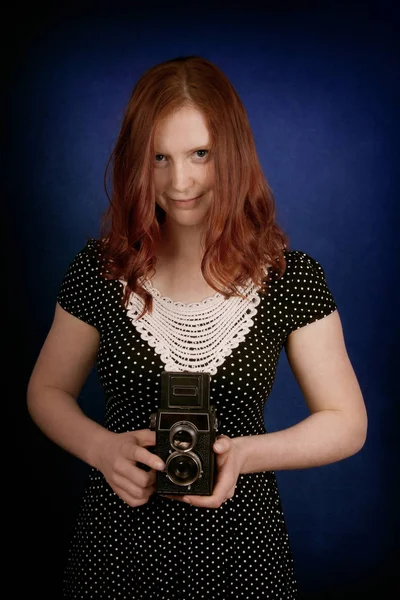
[(336, 427)]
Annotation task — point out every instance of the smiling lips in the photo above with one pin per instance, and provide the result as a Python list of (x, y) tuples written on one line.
[(186, 200)]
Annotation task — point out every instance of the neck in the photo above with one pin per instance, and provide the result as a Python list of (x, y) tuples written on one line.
[(181, 245)]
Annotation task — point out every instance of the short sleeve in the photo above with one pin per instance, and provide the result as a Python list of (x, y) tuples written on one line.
[(83, 288), (310, 298)]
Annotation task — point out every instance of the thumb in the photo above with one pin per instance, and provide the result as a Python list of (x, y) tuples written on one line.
[(222, 444)]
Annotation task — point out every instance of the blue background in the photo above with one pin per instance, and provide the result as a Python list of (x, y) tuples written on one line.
[(318, 81)]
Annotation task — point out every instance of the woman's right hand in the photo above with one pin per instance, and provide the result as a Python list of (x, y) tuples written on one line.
[(118, 463)]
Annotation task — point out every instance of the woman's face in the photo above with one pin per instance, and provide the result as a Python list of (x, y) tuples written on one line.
[(183, 167)]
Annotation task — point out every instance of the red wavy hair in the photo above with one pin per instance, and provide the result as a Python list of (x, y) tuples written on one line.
[(241, 233)]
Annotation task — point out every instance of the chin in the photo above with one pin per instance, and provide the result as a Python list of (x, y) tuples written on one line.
[(189, 222)]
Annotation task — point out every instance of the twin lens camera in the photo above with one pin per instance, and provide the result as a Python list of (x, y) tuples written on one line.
[(186, 427)]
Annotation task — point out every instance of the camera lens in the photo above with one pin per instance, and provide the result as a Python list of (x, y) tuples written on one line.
[(182, 440), (183, 469), (183, 436)]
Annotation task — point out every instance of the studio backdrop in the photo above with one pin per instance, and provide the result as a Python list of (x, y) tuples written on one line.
[(320, 91)]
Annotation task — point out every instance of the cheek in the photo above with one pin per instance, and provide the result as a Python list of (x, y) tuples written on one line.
[(210, 176), (159, 181)]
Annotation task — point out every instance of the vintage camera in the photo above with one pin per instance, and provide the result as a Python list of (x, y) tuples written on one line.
[(185, 426)]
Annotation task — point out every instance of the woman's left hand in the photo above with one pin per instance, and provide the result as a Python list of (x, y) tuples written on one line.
[(229, 459)]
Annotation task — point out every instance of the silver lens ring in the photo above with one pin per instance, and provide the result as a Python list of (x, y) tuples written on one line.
[(183, 436), (183, 468)]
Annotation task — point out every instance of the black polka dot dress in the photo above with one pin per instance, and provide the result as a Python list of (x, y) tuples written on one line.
[(165, 549)]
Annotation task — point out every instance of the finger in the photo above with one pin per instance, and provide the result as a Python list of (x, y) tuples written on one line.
[(132, 487), (145, 437), (130, 500), (137, 453), (225, 486), (224, 490), (222, 444), (213, 501), (173, 497), (204, 501), (131, 491), (133, 476), (200, 501), (140, 477), (147, 458)]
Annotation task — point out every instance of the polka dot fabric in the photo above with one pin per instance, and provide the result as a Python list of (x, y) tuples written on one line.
[(166, 549)]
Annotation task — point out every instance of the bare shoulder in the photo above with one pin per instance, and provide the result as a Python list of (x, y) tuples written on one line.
[(68, 353)]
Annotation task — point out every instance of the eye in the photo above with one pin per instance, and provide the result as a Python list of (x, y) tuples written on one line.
[(206, 152), (159, 158)]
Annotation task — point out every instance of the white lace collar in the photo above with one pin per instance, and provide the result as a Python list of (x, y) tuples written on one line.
[(197, 336)]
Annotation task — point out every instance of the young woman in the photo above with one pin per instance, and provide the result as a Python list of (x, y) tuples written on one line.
[(191, 273)]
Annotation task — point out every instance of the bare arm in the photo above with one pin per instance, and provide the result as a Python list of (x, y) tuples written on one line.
[(337, 425), (64, 363), (335, 429)]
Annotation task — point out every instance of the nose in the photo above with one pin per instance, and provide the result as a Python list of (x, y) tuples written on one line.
[(181, 177)]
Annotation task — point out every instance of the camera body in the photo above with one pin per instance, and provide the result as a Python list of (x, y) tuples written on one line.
[(185, 426)]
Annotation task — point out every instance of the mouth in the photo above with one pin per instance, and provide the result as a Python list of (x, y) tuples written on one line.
[(184, 200)]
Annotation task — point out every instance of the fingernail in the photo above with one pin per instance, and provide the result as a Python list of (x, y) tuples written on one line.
[(217, 446), (186, 499), (160, 466)]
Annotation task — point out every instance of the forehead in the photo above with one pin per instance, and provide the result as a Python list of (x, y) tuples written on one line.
[(184, 128)]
